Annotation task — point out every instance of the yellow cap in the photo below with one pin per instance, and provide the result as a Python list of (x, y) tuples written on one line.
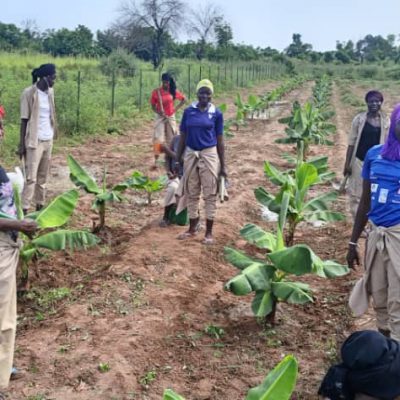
[(205, 83)]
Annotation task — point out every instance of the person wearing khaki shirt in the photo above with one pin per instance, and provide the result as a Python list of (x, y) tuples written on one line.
[(368, 129), (38, 128)]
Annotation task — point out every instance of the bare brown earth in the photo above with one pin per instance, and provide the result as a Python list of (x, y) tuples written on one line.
[(141, 301)]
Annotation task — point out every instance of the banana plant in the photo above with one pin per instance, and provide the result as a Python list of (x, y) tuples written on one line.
[(102, 195), (271, 278), (307, 125), (249, 108), (48, 236), (296, 184), (139, 181), (277, 385)]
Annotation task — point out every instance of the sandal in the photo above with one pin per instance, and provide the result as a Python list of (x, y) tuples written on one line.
[(208, 240), (187, 235)]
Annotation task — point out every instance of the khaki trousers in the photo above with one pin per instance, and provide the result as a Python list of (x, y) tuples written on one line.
[(355, 184), (9, 254), (170, 193), (164, 129), (37, 167), (384, 286)]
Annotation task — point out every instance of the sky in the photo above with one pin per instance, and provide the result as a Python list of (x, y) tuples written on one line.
[(257, 22)]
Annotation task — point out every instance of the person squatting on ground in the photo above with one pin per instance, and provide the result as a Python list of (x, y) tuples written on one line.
[(162, 102), (38, 128), (368, 129), (202, 141), (380, 203), (9, 255), (174, 177), (370, 369)]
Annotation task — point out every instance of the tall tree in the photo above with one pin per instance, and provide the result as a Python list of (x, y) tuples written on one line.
[(297, 48), (202, 25), (153, 21)]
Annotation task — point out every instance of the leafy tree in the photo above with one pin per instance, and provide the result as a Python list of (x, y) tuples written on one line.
[(297, 48)]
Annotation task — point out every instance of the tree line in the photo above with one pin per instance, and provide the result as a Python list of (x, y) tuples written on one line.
[(149, 30)]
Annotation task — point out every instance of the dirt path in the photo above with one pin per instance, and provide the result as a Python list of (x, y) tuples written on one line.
[(141, 303)]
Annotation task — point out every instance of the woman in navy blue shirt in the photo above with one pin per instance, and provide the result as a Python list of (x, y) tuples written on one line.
[(380, 204), (202, 140)]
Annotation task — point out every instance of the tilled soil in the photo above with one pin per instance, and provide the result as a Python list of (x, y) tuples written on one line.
[(135, 321)]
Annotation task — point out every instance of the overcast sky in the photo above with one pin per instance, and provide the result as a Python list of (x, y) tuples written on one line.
[(257, 22)]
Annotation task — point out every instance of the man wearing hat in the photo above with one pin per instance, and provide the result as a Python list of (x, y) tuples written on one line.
[(38, 128)]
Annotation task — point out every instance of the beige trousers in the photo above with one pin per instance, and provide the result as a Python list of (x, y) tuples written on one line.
[(170, 193), (37, 167), (9, 254), (164, 129), (355, 184)]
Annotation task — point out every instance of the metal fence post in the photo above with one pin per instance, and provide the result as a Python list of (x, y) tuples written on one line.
[(200, 73), (113, 94), (189, 81), (140, 89), (209, 72), (78, 102)]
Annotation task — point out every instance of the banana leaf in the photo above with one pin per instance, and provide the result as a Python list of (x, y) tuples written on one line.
[(306, 176), (257, 236), (263, 303), (65, 240), (296, 260), (321, 203), (240, 260), (27, 253), (275, 176), (327, 216), (80, 177), (279, 383), (329, 268), (171, 395), (292, 292), (58, 212)]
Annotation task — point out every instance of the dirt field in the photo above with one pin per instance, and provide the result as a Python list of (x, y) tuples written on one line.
[(141, 302)]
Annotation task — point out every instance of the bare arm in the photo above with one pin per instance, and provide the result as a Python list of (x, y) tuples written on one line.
[(22, 134), (154, 108), (26, 226), (180, 105), (359, 223), (349, 155), (181, 147), (221, 153)]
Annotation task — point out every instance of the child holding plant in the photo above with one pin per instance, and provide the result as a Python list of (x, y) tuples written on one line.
[(174, 176)]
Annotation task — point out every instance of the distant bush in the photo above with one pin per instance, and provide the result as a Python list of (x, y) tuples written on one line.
[(119, 62), (368, 72), (393, 73)]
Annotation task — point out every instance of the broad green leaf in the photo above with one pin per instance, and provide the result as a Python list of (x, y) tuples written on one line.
[(276, 177), (240, 260), (252, 101), (238, 285), (58, 212), (321, 203), (264, 197), (292, 292), (18, 202), (6, 216), (27, 253), (284, 209), (263, 303), (333, 269), (328, 216), (321, 163), (306, 175), (169, 394), (223, 107), (279, 383), (257, 236), (65, 240), (80, 177), (296, 260)]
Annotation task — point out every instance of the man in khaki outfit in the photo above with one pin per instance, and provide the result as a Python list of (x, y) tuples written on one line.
[(368, 129), (38, 128)]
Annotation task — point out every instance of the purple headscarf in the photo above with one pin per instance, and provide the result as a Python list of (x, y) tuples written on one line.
[(391, 148)]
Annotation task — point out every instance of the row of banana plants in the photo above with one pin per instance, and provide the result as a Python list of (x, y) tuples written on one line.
[(52, 219), (310, 123), (277, 385), (257, 104), (271, 277)]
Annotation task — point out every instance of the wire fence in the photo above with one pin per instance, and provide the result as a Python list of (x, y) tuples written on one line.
[(88, 101)]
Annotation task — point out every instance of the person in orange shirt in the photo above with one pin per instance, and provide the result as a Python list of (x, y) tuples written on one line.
[(163, 104)]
